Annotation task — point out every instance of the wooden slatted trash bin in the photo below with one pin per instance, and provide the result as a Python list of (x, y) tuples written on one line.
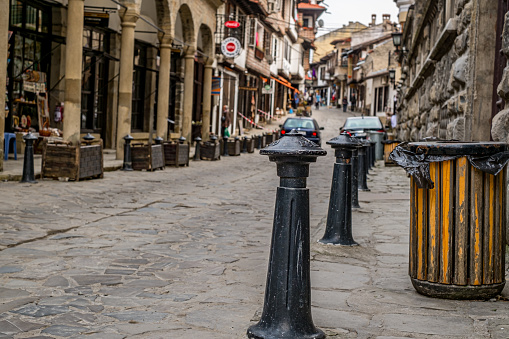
[(389, 146), (457, 222)]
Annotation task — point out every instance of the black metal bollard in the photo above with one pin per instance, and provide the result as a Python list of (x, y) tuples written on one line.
[(182, 140), (259, 142), (225, 147), (363, 183), (128, 164), (28, 161), (355, 175), (244, 145), (287, 307), (368, 157), (339, 218), (158, 140), (373, 153), (197, 156)]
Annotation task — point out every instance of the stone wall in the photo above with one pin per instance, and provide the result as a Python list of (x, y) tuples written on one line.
[(500, 125), (445, 71)]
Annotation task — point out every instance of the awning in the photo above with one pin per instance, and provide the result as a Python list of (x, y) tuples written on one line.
[(286, 83)]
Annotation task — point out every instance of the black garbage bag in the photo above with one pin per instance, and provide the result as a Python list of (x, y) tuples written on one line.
[(417, 165)]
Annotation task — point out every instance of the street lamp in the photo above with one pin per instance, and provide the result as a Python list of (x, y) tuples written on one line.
[(396, 39), (392, 76)]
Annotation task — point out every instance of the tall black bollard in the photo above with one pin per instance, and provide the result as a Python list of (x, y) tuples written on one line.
[(28, 161), (197, 156), (373, 153), (127, 165), (287, 307), (182, 139), (355, 175), (225, 147), (339, 219), (158, 140), (244, 145), (363, 183)]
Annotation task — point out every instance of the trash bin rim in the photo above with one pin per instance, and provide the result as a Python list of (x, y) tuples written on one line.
[(457, 148)]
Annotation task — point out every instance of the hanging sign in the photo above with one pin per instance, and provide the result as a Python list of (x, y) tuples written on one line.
[(267, 89), (97, 19), (232, 24), (231, 47)]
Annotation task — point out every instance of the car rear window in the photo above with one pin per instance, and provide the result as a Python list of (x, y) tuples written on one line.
[(363, 123), (299, 123)]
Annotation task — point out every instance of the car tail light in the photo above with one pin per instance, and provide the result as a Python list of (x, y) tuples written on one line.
[(283, 132), (314, 134), (381, 130)]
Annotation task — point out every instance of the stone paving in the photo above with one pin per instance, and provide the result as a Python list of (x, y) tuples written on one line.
[(182, 253)]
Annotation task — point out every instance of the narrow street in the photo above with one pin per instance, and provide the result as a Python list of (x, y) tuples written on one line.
[(182, 253)]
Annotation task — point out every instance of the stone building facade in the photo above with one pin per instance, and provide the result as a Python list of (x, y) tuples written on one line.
[(447, 57)]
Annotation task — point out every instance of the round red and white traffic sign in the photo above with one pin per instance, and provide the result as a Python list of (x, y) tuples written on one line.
[(231, 47)]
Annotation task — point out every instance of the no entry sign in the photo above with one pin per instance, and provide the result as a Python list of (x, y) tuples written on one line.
[(231, 47)]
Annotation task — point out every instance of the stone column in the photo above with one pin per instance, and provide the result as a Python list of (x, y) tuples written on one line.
[(73, 65), (4, 28), (163, 93), (207, 96), (125, 80), (187, 114)]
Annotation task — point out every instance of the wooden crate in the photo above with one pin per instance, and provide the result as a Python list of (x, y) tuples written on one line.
[(147, 157), (233, 147), (210, 151), (63, 160), (176, 154)]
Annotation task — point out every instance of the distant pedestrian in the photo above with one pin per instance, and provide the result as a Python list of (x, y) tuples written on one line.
[(394, 121), (345, 104), (317, 103)]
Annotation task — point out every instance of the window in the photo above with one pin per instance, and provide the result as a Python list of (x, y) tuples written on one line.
[(450, 9), (307, 22), (274, 47), (259, 37)]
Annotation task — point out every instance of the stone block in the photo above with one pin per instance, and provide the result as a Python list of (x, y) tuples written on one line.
[(500, 126), (461, 43), (433, 130), (433, 94), (503, 87), (414, 134), (456, 129), (505, 36), (416, 122), (434, 114), (460, 69)]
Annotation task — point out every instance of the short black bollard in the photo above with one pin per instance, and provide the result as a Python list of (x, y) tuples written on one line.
[(259, 146), (182, 140), (197, 156), (128, 164), (339, 219), (158, 140), (28, 161), (244, 145), (355, 175), (363, 183), (225, 147), (287, 307)]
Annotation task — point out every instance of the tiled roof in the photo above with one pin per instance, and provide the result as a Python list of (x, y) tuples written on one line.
[(305, 5)]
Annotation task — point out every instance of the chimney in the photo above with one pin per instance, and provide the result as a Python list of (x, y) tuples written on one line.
[(373, 19), (386, 17)]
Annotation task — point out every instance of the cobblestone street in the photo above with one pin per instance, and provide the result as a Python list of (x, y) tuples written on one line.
[(183, 252)]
